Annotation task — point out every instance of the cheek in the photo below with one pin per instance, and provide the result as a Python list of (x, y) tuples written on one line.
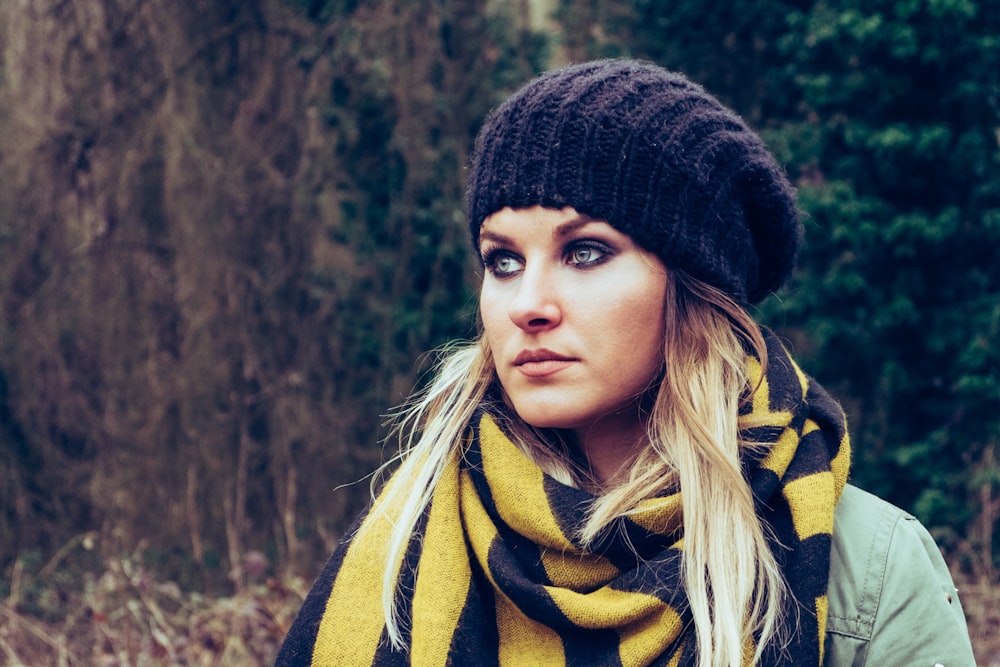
[(493, 316), (638, 329)]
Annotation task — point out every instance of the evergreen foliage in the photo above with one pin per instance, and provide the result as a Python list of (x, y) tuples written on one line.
[(900, 285)]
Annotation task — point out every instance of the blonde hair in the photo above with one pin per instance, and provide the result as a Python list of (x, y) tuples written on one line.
[(737, 595)]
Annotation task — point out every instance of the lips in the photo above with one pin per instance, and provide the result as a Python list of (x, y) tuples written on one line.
[(540, 363)]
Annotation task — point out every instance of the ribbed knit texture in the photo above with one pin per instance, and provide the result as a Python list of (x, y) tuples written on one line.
[(655, 156), (495, 576)]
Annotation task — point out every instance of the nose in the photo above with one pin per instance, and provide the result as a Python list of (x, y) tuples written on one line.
[(535, 307)]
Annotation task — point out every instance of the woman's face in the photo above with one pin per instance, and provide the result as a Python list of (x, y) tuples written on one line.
[(573, 314)]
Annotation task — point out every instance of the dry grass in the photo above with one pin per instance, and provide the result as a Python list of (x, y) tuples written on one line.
[(124, 617), (981, 601)]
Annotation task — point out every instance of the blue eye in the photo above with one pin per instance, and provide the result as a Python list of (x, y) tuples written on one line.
[(501, 263), (587, 254)]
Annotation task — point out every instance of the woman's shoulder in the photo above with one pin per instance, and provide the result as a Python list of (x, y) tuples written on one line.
[(891, 597)]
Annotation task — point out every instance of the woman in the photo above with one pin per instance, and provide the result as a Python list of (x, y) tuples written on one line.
[(625, 468)]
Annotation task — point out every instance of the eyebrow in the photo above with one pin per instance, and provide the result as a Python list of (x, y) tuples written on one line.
[(561, 231), (570, 226)]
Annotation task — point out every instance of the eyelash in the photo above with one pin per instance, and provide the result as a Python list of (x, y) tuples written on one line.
[(491, 255)]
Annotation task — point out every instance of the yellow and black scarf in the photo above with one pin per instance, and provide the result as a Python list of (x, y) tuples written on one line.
[(494, 577)]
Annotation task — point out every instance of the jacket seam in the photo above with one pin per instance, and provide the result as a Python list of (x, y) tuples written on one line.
[(862, 623)]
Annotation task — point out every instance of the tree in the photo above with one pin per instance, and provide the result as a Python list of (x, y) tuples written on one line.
[(228, 231)]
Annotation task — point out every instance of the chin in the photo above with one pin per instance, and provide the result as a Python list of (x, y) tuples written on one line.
[(547, 417)]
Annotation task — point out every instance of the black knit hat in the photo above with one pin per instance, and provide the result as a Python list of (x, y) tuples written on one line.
[(654, 155)]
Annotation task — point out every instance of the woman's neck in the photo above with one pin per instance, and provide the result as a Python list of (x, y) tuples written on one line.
[(611, 444)]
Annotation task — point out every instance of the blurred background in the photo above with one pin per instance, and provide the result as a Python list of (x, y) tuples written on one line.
[(231, 230)]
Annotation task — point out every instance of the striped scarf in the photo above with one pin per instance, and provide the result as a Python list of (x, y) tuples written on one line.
[(494, 575)]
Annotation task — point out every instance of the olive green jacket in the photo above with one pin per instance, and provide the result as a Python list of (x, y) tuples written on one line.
[(891, 598)]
